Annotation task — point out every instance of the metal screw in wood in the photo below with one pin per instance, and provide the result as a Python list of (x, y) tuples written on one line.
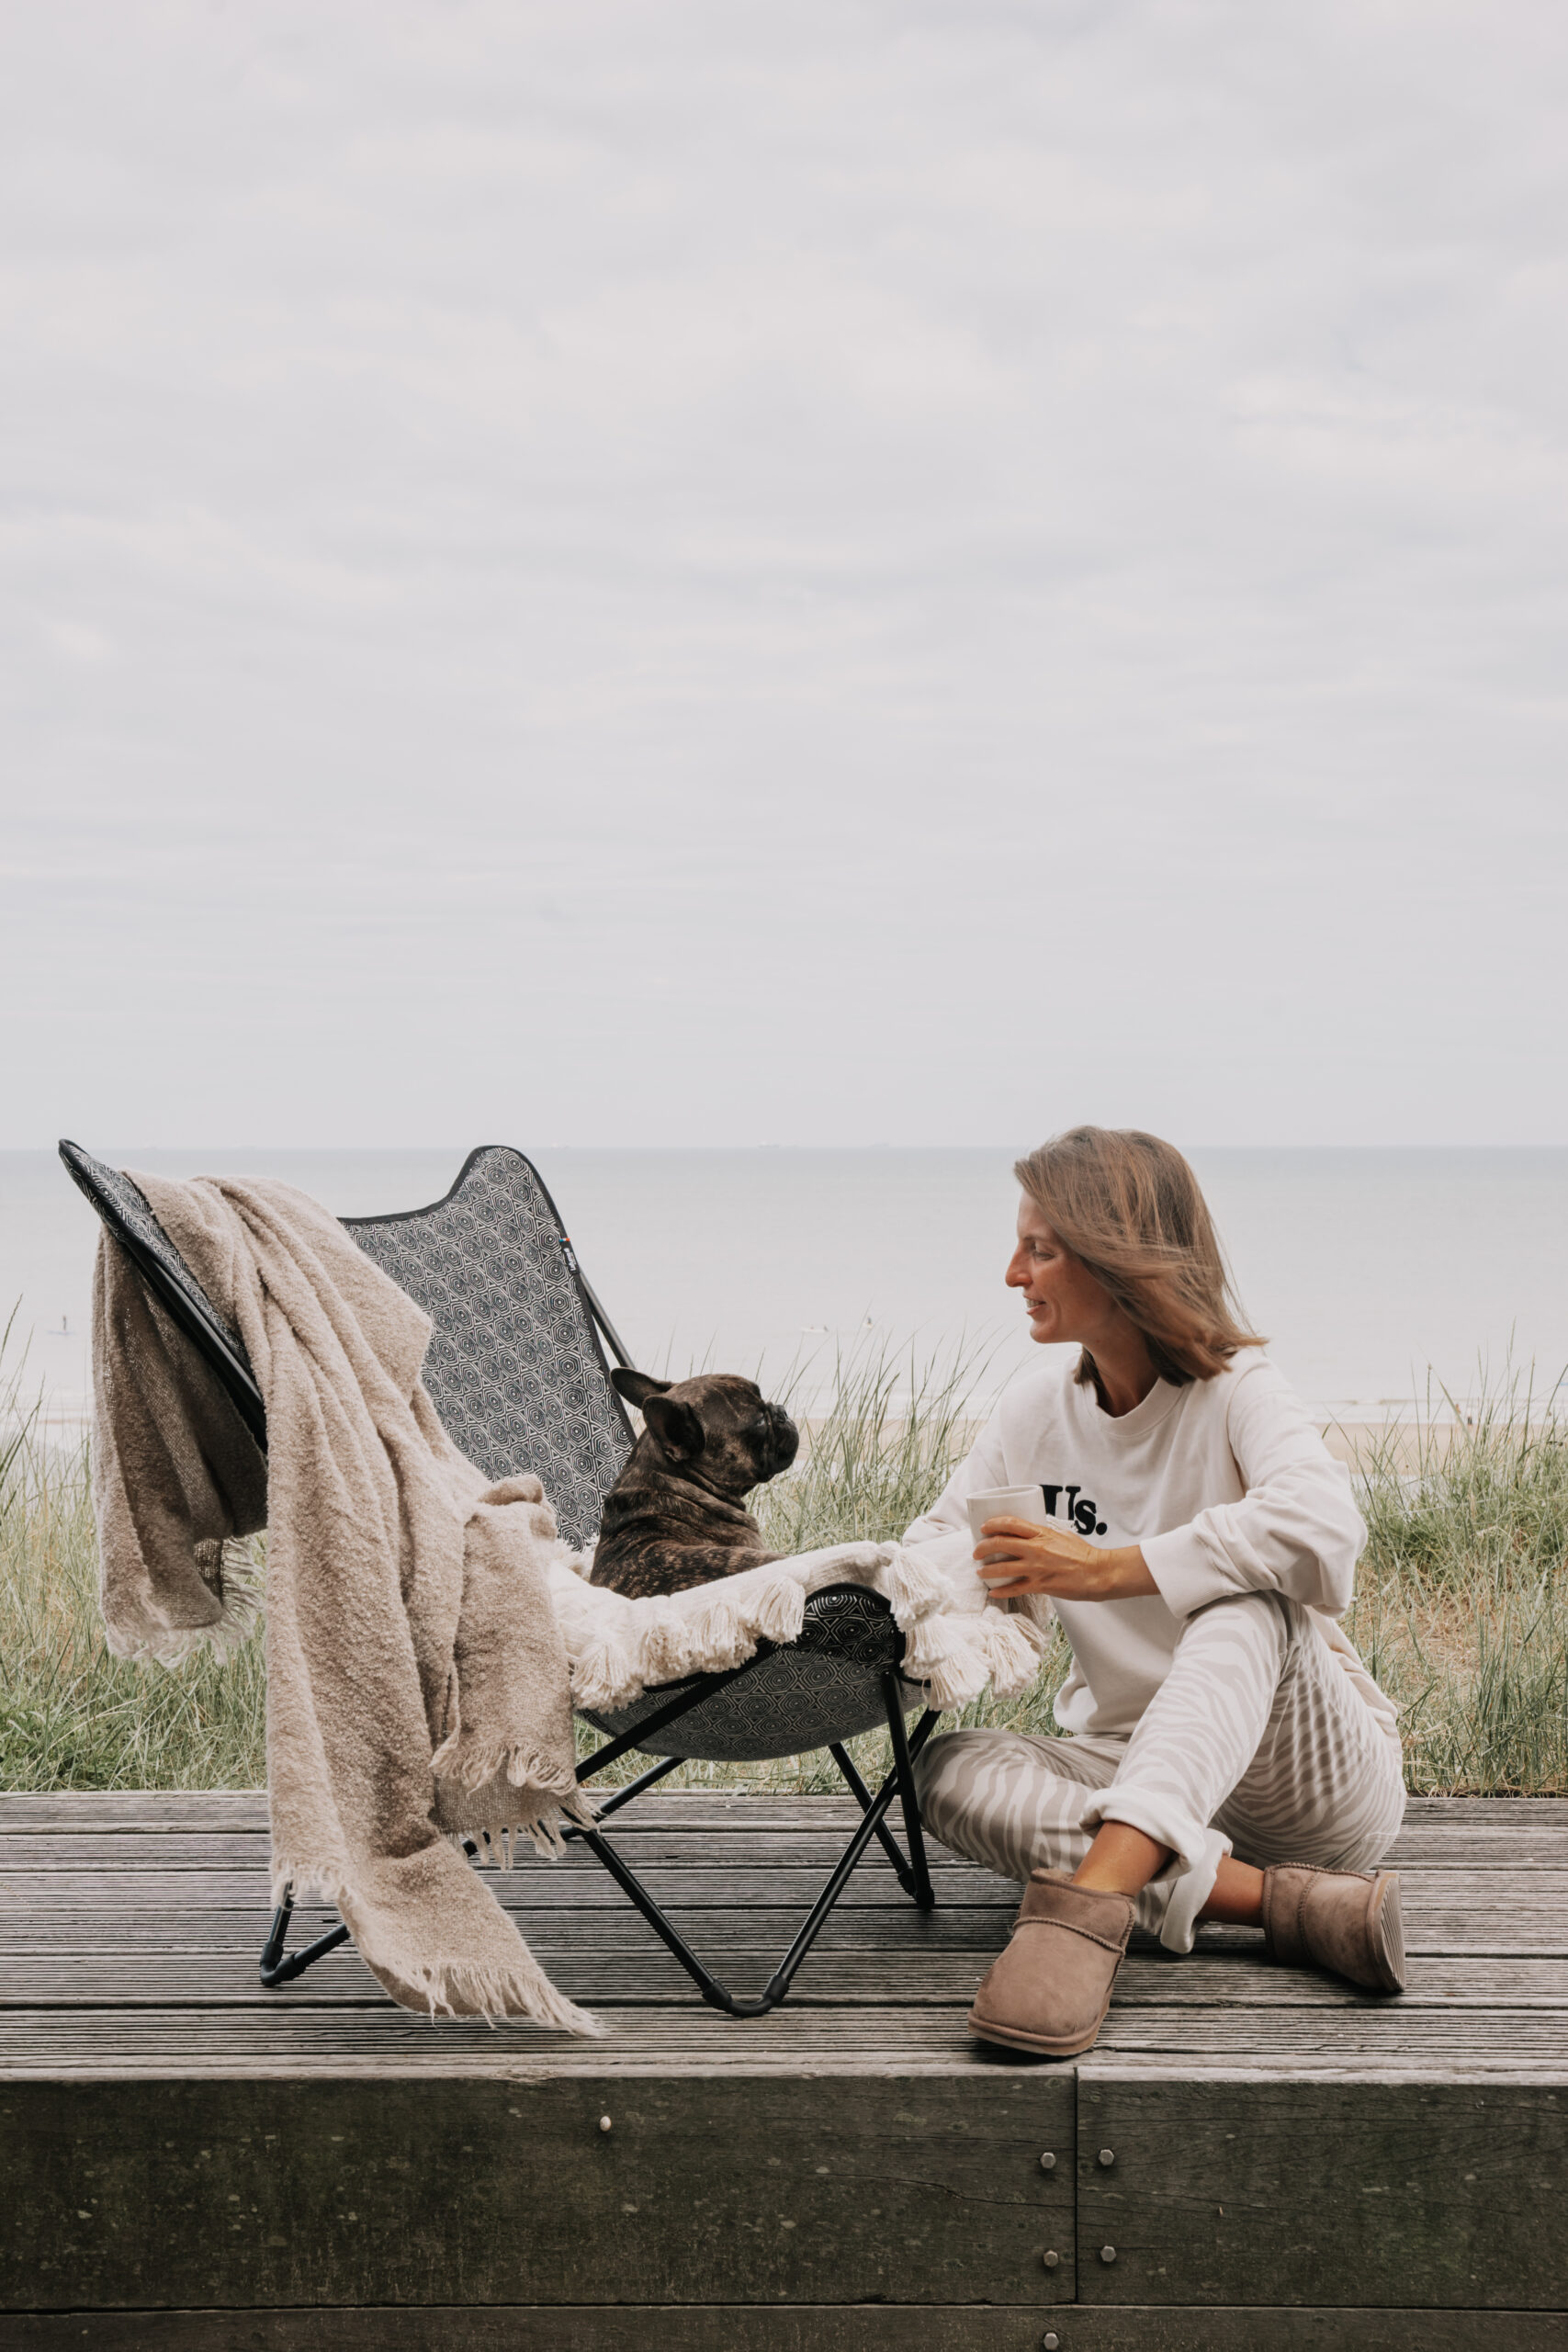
[(1108, 2155), (1050, 2259), (1108, 2253), (1048, 2162), (1050, 2340), (603, 2123)]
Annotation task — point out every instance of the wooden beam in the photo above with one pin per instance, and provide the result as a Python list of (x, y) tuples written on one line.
[(760, 2189), (1243, 2190), (752, 2327)]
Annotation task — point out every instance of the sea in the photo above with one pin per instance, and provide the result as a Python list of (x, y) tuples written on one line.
[(1393, 1284)]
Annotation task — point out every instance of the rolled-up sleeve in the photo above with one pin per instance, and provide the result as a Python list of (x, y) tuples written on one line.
[(1296, 1529)]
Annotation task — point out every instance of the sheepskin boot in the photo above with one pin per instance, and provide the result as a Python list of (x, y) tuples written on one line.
[(1346, 1920), (1049, 1990)]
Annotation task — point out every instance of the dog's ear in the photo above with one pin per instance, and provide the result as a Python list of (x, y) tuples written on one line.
[(675, 1426), (636, 1387)]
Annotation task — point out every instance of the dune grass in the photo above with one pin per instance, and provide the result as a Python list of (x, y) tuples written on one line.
[(1461, 1605), (70, 1715), (1461, 1609)]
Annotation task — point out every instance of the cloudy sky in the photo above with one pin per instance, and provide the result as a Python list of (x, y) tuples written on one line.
[(870, 570)]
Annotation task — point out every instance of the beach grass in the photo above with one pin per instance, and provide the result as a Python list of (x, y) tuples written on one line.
[(1461, 1602), (71, 1716), (1461, 1609)]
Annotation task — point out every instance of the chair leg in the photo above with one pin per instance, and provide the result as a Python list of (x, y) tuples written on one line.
[(275, 1968), (633, 1789), (632, 1887), (903, 1766), (897, 1782), (779, 1983), (885, 1838)]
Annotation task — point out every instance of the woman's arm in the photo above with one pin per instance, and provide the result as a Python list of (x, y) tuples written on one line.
[(1021, 1557), (1295, 1531), (1016, 1557)]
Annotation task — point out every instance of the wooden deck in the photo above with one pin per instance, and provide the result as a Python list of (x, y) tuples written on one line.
[(1251, 2156)]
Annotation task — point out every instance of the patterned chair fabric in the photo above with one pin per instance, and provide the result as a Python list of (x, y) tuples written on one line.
[(514, 1366)]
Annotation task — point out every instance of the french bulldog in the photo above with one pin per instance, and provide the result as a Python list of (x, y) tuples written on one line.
[(675, 1516)]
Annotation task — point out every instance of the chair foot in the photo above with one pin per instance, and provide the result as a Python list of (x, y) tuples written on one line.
[(277, 1968), (718, 1997)]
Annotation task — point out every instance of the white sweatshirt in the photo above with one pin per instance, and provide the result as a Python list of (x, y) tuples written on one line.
[(1224, 1483)]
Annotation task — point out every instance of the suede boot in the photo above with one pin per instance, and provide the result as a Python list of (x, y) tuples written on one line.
[(1344, 1921), (1049, 1990)]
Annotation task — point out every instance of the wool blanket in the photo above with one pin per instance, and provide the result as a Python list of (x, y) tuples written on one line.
[(417, 1680)]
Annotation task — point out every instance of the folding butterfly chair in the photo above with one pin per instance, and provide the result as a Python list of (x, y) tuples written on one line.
[(517, 1374)]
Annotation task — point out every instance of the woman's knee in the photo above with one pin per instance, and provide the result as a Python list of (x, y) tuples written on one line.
[(1377, 1824), (967, 1777), (940, 1765), (1261, 1628)]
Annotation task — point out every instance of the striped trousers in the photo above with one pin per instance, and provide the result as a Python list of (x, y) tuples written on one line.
[(1255, 1744)]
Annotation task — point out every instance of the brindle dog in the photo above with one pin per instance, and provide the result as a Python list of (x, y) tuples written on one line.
[(675, 1516)]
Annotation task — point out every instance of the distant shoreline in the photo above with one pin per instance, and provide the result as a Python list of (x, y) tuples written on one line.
[(1400, 1441)]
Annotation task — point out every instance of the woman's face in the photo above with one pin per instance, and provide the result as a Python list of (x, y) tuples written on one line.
[(1064, 1300)]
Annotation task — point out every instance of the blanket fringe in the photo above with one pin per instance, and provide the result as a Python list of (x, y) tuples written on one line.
[(449, 1988), (544, 1825), (619, 1649), (309, 1884), (472, 1767), (452, 1989), (154, 1645), (911, 1588)]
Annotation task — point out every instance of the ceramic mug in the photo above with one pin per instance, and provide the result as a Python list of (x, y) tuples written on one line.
[(1006, 1502)]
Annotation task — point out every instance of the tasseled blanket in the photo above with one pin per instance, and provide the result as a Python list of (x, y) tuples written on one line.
[(955, 1640)]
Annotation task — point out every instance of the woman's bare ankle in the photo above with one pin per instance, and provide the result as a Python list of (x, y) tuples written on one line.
[(1121, 1861), (1237, 1897)]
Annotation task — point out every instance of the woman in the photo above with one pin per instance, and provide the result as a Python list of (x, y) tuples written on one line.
[(1232, 1759)]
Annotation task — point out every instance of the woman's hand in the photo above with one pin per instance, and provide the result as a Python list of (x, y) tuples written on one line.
[(1016, 1556)]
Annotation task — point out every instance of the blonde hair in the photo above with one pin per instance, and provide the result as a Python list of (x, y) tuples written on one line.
[(1129, 1209)]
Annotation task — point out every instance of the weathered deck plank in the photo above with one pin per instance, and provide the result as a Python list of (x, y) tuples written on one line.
[(149, 1809), (1414, 2195), (726, 2187), (704, 1843), (627, 1967), (839, 2039)]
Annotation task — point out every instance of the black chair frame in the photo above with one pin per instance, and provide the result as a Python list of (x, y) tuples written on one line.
[(129, 1221)]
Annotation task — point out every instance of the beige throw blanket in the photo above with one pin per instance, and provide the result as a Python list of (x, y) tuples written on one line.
[(416, 1677)]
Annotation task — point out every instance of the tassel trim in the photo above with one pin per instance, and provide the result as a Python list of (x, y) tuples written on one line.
[(618, 1649), (240, 1591), (444, 1988)]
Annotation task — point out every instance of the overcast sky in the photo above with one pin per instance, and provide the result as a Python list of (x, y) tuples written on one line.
[(657, 571)]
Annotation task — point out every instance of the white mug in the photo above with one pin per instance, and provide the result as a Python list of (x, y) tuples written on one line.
[(1006, 1502)]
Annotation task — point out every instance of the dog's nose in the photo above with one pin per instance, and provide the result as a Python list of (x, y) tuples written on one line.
[(785, 1436)]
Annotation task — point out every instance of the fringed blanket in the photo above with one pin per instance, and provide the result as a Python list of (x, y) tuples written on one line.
[(416, 1677)]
